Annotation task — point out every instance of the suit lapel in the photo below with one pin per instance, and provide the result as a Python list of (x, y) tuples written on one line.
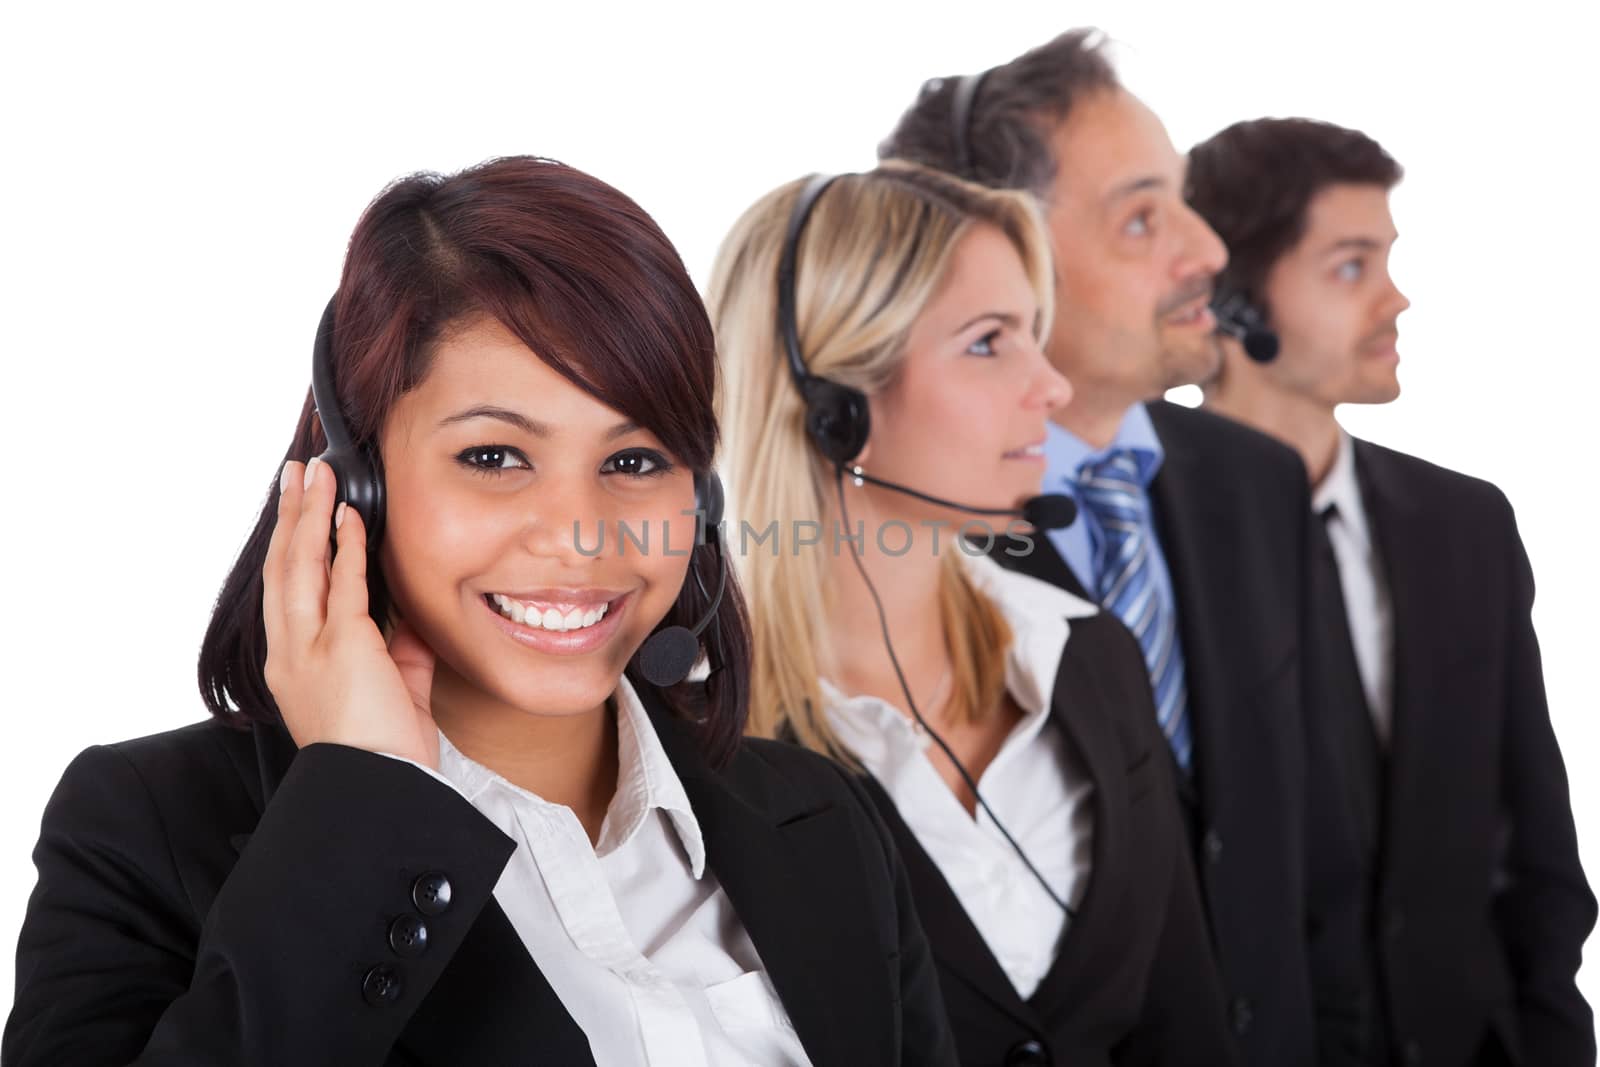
[(954, 939), (1038, 560), (1189, 515), (1417, 590), (781, 868), (1078, 687)]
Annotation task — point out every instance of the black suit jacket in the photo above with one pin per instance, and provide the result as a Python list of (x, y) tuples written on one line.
[(1232, 509), (1481, 906), (1134, 982), (209, 896)]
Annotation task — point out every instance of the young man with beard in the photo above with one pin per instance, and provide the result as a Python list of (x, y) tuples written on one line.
[(1192, 529), (1479, 907)]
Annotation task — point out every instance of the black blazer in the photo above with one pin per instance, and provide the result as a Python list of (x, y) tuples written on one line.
[(1232, 511), (1134, 982), (208, 896), (1481, 907)]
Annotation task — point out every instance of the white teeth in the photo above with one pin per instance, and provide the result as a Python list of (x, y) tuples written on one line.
[(547, 618)]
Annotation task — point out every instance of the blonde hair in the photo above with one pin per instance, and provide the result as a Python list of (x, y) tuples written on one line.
[(873, 254)]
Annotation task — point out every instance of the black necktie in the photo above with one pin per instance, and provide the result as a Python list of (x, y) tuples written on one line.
[(1347, 720)]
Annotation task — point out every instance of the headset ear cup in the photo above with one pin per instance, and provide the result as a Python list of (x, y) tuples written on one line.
[(709, 500), (837, 419), (360, 485)]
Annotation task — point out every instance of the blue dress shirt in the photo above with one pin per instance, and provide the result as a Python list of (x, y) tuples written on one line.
[(1079, 543)]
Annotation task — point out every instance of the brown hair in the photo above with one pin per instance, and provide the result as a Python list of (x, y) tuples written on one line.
[(1014, 109), (1254, 182), (582, 276)]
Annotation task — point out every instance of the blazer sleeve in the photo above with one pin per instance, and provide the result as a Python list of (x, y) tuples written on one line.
[(926, 1037), (291, 963), (1545, 910)]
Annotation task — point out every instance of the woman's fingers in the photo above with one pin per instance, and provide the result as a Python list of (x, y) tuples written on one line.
[(305, 568), (347, 592), (272, 567)]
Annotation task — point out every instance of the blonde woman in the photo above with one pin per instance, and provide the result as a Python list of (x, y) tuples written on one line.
[(881, 340)]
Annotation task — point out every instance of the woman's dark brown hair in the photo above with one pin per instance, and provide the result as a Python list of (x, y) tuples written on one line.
[(582, 276)]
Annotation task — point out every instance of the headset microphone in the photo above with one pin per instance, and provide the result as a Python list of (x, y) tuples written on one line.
[(1052, 511), (667, 656), (1243, 321)]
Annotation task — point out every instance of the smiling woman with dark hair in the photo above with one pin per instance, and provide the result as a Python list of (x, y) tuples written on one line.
[(445, 811)]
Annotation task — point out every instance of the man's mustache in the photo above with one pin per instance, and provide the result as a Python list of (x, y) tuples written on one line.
[(1196, 289)]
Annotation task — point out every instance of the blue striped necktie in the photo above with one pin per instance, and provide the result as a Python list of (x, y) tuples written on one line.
[(1113, 494)]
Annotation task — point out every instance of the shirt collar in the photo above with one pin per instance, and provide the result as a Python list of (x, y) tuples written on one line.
[(1038, 615), (1340, 489), (1065, 452), (646, 781)]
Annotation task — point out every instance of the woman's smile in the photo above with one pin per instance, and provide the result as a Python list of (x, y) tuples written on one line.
[(564, 622)]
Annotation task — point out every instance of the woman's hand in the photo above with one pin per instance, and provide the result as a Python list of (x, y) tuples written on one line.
[(328, 666)]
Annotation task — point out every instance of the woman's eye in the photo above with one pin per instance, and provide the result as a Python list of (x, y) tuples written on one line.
[(1350, 270), (636, 463), (493, 459), (985, 345)]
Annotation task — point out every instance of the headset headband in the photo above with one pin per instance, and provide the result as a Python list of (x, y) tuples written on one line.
[(323, 395), (961, 122), (788, 322)]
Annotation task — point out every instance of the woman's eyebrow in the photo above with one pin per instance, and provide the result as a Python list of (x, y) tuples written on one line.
[(531, 427), (1005, 318)]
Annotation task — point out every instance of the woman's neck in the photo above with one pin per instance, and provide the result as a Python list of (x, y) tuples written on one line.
[(907, 584), (564, 759)]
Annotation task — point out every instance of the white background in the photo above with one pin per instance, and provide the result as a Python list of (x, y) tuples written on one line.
[(179, 185)]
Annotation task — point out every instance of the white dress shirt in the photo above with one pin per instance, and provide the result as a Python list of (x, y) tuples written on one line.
[(1361, 579), (1036, 785), (634, 934)]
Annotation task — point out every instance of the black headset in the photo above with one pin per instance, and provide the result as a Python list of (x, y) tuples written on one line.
[(357, 468), (665, 658), (838, 419), (1239, 318), (966, 91)]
